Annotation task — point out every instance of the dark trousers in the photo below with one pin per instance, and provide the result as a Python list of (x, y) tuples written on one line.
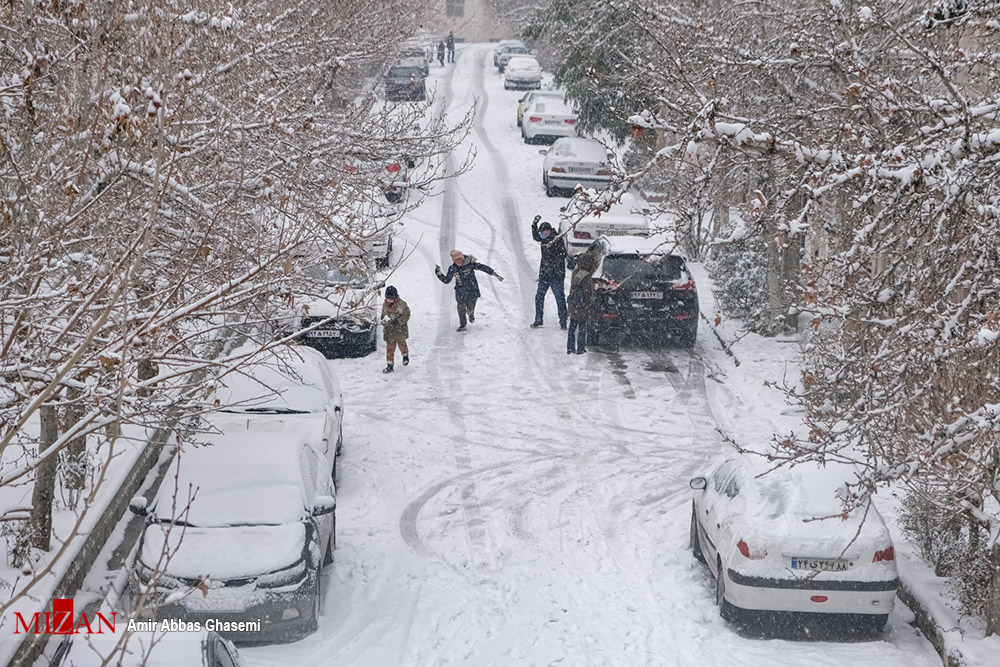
[(466, 308), (451, 55), (577, 339), (558, 291)]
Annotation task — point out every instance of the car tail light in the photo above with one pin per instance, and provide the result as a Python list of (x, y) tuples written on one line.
[(558, 170), (686, 287), (350, 169), (535, 119), (744, 549), (610, 316), (603, 172), (570, 121), (885, 555), (581, 235), (394, 167), (819, 598), (683, 317)]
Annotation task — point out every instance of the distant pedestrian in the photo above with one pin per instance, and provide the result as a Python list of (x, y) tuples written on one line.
[(441, 53), (450, 41), (551, 271), (582, 302), (395, 315), (463, 270)]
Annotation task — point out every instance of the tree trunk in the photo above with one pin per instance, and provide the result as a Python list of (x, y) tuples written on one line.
[(45, 478), (993, 606), (74, 459)]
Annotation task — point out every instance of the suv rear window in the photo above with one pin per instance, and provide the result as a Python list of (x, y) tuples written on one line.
[(661, 267), (403, 72)]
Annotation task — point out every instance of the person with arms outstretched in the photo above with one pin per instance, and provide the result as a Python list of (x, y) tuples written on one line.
[(463, 271)]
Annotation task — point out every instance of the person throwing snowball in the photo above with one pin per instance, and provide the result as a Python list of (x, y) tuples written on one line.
[(395, 315), (463, 271)]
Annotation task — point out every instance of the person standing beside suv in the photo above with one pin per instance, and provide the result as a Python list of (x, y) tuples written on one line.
[(582, 302), (551, 271)]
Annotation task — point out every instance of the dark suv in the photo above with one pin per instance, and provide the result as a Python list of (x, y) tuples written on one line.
[(644, 290), (405, 81)]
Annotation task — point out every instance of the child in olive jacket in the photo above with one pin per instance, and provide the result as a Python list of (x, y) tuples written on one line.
[(395, 315)]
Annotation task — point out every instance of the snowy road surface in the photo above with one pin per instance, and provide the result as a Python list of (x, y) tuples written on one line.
[(502, 503)]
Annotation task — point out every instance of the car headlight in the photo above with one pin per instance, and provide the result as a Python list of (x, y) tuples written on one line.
[(288, 576)]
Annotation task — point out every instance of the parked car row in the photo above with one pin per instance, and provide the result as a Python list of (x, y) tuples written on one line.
[(244, 522), (405, 80)]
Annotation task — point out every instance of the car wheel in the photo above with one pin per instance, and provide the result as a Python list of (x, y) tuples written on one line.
[(328, 556), (381, 262), (726, 610), (689, 336), (695, 543), (519, 123), (317, 605), (340, 442), (549, 191)]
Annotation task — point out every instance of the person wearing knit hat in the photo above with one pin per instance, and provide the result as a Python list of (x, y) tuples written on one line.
[(395, 315)]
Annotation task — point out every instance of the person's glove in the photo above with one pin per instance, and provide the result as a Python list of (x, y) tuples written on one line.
[(537, 219), (498, 277), (437, 269)]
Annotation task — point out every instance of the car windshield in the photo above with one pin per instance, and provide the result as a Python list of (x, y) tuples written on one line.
[(638, 267), (403, 72), (512, 50)]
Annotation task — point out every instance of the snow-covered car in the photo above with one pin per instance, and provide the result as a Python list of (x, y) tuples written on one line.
[(404, 81), (575, 161), (291, 390), (628, 217), (368, 220), (156, 648), (390, 173), (522, 72), (418, 53), (532, 95), (547, 119), (508, 52), (501, 45), (644, 290), (344, 319), (238, 532), (761, 540)]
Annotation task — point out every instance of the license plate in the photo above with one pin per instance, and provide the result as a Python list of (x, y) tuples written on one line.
[(579, 170), (621, 232), (553, 122), (822, 564), (647, 295), (323, 333)]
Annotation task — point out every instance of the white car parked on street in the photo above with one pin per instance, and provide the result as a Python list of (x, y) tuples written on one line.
[(533, 95), (574, 161), (522, 72), (501, 45), (291, 391), (508, 52), (761, 541), (547, 119), (628, 217)]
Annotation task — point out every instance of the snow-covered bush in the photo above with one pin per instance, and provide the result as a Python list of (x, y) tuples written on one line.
[(739, 271)]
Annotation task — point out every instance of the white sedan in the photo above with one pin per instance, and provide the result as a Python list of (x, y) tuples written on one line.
[(574, 161), (580, 227), (547, 119), (293, 390), (501, 45), (770, 549), (522, 72)]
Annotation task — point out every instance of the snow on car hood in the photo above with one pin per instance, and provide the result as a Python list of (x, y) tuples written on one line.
[(289, 382), (223, 553)]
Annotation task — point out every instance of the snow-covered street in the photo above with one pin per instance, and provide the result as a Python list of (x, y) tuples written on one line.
[(502, 503)]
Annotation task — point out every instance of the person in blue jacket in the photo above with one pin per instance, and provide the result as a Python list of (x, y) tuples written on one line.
[(463, 271)]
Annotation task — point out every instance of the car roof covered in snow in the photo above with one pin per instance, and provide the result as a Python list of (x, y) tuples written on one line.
[(523, 62), (287, 378), (551, 105), (577, 148)]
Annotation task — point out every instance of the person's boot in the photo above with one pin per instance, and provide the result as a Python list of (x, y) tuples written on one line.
[(562, 325), (461, 328), (538, 323), (406, 360), (387, 369)]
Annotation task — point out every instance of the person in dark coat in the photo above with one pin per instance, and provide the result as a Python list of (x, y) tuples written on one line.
[(463, 270), (395, 316), (441, 53), (450, 43), (551, 271), (582, 302)]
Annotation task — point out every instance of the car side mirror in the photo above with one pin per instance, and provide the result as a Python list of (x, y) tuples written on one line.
[(698, 483), (138, 506), (324, 505), (543, 152)]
